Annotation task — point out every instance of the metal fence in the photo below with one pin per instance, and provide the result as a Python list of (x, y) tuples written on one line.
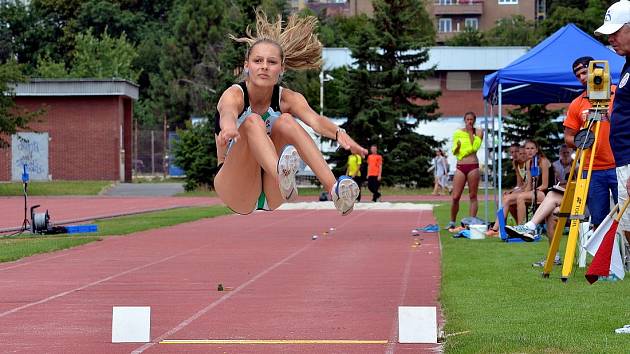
[(149, 153)]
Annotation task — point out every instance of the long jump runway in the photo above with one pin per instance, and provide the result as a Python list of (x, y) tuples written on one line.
[(309, 295)]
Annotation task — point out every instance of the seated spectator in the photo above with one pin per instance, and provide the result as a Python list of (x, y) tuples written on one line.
[(562, 166), (519, 158), (519, 164), (538, 177), (510, 197)]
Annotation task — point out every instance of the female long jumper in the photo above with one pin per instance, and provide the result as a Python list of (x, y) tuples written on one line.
[(259, 142)]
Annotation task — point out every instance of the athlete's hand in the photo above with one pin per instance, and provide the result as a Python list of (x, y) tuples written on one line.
[(479, 132), (228, 134), (345, 141)]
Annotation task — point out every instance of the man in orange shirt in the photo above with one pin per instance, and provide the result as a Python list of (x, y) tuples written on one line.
[(375, 168), (603, 176)]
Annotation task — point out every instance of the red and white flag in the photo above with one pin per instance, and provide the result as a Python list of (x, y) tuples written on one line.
[(604, 246)]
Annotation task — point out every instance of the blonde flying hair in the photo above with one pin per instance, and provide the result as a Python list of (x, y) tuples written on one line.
[(299, 46)]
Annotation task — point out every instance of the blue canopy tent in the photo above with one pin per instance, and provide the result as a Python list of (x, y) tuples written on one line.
[(543, 75)]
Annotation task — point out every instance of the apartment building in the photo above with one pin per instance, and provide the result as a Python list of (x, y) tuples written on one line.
[(296, 5), (454, 16), (459, 73)]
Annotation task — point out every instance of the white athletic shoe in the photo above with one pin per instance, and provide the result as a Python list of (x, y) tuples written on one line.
[(344, 193), (288, 165)]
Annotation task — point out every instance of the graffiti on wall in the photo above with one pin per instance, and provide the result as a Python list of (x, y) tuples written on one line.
[(30, 149)]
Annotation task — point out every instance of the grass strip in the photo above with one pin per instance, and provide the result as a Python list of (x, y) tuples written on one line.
[(124, 225), (54, 188), (501, 304), (14, 248)]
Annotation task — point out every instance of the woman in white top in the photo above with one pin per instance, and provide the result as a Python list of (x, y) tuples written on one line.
[(259, 142), (440, 169)]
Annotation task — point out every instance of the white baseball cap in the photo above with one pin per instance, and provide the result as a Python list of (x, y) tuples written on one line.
[(617, 15)]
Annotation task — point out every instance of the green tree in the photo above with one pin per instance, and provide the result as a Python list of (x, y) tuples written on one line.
[(342, 31), (195, 153), (188, 76), (102, 16), (587, 16), (11, 118), (513, 31), (385, 100), (106, 57), (26, 32), (468, 38)]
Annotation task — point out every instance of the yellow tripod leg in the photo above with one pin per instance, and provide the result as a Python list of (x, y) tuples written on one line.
[(578, 207), (565, 209)]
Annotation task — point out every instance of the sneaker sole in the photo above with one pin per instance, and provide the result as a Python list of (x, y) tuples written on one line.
[(289, 162), (348, 191), (513, 233)]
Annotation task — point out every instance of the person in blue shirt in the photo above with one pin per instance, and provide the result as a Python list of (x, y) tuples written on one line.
[(617, 27)]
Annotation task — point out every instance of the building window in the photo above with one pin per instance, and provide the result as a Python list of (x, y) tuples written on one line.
[(476, 79), (430, 83), (508, 2), (446, 25), (458, 81), (446, 2), (472, 23)]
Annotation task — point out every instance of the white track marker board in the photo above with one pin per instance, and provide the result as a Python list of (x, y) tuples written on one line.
[(131, 324), (417, 324)]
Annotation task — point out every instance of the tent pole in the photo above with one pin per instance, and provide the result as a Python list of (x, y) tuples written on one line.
[(485, 116), (499, 159), (494, 158)]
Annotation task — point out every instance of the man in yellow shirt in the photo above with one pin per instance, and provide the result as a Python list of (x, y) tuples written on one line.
[(354, 170)]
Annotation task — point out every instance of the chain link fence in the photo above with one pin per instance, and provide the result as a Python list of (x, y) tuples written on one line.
[(149, 153)]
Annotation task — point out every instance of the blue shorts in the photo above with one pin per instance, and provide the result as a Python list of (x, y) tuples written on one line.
[(603, 183)]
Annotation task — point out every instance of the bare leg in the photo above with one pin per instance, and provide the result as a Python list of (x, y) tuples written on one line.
[(521, 206), (459, 181), (436, 185), (545, 209), (238, 182), (552, 221), (473, 187), (509, 201), (287, 131), (512, 209), (523, 199)]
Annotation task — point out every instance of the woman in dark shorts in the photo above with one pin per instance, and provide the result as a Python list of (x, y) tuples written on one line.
[(466, 142)]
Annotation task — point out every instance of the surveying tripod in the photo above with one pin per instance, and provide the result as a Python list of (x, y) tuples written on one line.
[(573, 202)]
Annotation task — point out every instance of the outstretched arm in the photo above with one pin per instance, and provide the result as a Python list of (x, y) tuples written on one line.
[(295, 103), (228, 108)]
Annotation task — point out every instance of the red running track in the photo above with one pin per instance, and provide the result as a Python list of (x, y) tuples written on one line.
[(344, 285), (65, 209)]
